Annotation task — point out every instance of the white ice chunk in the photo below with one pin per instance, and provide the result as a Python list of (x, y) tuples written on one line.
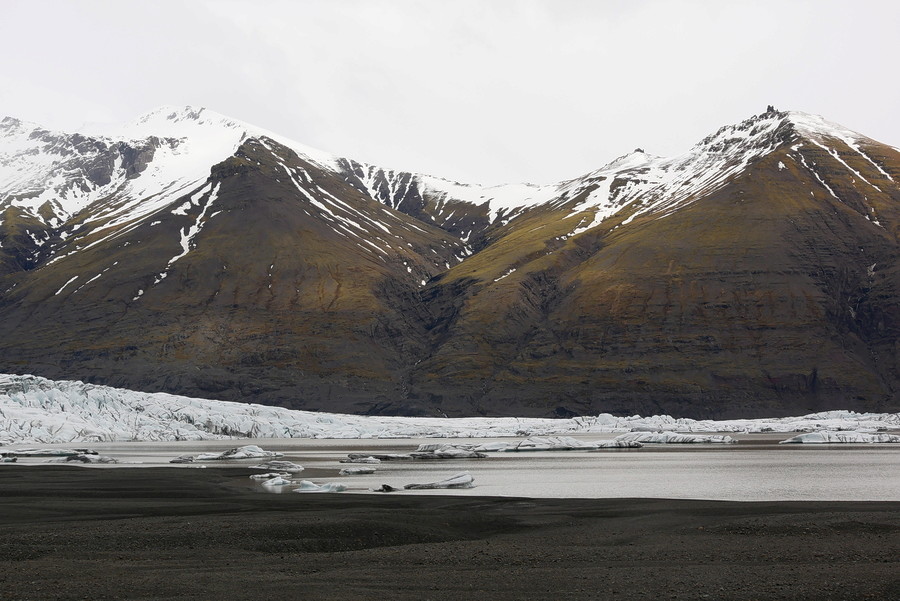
[(552, 443), (279, 465), (361, 459), (356, 471), (460, 480), (250, 451), (674, 438), (307, 486), (830, 437), (277, 481), (268, 476)]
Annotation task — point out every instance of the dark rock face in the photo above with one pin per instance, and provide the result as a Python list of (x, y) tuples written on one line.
[(357, 290)]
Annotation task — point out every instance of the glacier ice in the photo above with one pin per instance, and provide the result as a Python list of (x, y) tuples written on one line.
[(830, 437), (618, 444), (39, 411), (307, 486), (356, 471), (355, 458), (250, 451), (379, 457), (268, 476), (279, 465), (460, 480), (84, 458), (47, 452), (277, 481), (674, 438), (446, 451), (551, 443)]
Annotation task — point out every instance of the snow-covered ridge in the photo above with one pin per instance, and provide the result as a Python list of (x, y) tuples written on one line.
[(36, 410), (180, 144), (652, 185), (165, 152), (188, 122)]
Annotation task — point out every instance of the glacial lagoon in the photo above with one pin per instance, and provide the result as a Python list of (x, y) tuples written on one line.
[(756, 468)]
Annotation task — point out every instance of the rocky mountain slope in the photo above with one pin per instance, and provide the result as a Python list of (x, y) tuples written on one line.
[(754, 275)]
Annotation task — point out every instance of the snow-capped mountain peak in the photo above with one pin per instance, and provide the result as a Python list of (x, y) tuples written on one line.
[(816, 126)]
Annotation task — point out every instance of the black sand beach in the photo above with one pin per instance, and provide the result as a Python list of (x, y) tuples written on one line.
[(156, 533)]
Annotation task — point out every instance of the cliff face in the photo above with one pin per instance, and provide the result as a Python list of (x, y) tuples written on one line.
[(754, 275)]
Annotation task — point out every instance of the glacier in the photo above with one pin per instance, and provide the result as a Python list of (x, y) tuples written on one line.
[(830, 437), (35, 410)]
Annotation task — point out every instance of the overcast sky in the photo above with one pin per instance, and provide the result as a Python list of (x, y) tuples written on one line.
[(477, 91)]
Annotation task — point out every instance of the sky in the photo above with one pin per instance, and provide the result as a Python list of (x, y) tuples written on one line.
[(477, 91)]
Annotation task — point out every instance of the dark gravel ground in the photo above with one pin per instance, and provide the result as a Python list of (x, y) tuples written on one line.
[(146, 533)]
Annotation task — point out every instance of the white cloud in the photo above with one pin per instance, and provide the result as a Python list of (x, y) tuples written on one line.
[(481, 90)]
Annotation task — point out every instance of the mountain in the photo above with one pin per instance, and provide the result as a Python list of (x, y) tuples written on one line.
[(191, 253)]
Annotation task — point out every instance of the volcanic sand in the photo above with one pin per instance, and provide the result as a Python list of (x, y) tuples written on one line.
[(178, 533)]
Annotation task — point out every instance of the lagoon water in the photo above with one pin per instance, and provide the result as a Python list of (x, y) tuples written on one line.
[(754, 469)]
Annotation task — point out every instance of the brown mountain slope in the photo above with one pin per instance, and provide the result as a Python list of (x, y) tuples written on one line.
[(755, 275), (287, 296), (768, 297)]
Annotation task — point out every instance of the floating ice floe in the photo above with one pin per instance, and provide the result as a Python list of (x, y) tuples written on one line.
[(617, 444), (460, 480), (356, 471), (279, 465), (83, 458), (277, 481), (47, 452), (250, 451), (674, 438), (446, 451), (307, 486), (830, 437), (550, 443), (357, 458), (268, 476), (367, 457)]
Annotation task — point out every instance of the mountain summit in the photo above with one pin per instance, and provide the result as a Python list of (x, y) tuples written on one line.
[(755, 274)]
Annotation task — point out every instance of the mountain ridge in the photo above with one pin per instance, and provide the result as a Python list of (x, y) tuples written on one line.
[(688, 285)]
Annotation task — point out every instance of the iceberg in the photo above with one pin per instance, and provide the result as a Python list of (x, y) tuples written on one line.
[(355, 458), (831, 437), (367, 457), (618, 444), (268, 476), (446, 451), (552, 443), (307, 486), (460, 480), (277, 481), (183, 459), (250, 451), (674, 438), (83, 458), (356, 471), (279, 465), (48, 452)]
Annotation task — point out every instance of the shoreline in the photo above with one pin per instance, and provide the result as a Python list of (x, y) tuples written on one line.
[(68, 532)]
